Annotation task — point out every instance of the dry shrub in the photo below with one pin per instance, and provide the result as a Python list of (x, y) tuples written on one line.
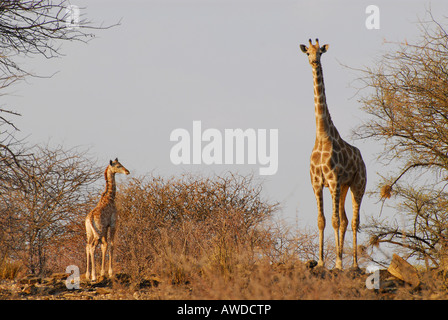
[(179, 228)]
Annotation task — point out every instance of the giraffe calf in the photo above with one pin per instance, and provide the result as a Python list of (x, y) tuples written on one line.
[(101, 219)]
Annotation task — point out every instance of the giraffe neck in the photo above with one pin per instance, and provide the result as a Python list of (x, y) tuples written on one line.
[(109, 193), (324, 124)]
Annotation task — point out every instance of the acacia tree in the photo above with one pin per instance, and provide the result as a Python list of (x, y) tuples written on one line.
[(33, 28), (37, 27), (43, 212), (407, 101), (422, 231)]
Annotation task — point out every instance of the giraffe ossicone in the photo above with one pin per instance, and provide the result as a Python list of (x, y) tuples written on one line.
[(334, 164)]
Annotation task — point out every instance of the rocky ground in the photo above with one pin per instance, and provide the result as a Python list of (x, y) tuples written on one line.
[(54, 287)]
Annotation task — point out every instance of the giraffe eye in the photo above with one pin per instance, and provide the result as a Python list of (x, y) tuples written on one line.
[(307, 54)]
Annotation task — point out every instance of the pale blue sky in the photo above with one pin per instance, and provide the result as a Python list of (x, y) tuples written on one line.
[(230, 64)]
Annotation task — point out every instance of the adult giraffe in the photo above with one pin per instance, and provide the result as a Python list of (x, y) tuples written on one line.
[(334, 164)]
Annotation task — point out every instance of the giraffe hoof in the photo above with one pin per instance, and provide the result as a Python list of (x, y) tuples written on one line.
[(338, 265)]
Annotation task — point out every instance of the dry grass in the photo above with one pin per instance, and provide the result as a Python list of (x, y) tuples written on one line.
[(10, 269), (266, 281)]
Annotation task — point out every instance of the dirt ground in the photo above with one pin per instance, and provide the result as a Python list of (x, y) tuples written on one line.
[(285, 283)]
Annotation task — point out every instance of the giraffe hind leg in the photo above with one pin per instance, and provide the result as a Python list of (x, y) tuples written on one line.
[(90, 265), (356, 200), (111, 250), (88, 260), (358, 190), (103, 254)]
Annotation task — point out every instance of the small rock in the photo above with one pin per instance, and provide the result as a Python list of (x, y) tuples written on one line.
[(29, 289), (319, 272), (310, 264), (59, 276), (404, 271), (151, 282), (30, 280), (122, 278), (102, 281), (103, 290)]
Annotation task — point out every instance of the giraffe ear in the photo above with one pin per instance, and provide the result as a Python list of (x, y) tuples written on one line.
[(110, 162), (324, 48), (303, 48)]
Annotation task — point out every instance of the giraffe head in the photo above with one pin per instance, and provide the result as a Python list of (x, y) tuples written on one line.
[(314, 52), (117, 167)]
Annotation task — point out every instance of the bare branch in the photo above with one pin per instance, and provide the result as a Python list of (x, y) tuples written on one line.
[(37, 28)]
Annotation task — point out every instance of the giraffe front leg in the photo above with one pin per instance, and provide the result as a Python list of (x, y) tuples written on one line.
[(320, 224), (336, 222), (342, 218)]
